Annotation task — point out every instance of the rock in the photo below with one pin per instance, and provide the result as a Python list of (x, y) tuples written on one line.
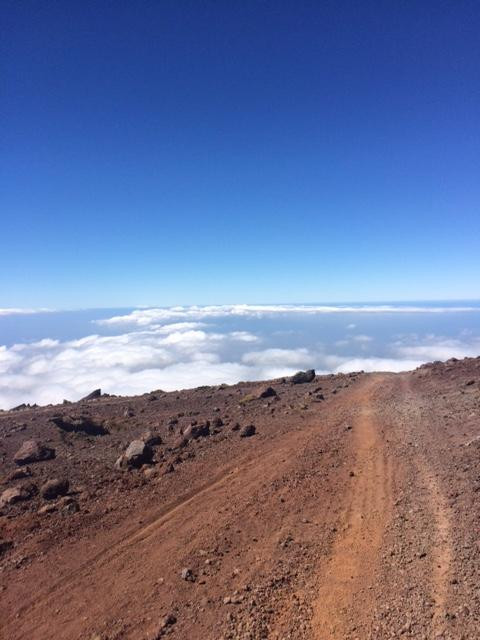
[(92, 396), (19, 474), (187, 574), (167, 622), (236, 427), (71, 507), (54, 488), (13, 495), (137, 453), (47, 508), (217, 423), (247, 431), (180, 442), (269, 392), (33, 451), (151, 439), (195, 431), (301, 377), (5, 545), (82, 424), (150, 472), (17, 494), (20, 407)]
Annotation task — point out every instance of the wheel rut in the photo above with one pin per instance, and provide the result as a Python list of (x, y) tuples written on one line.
[(342, 598)]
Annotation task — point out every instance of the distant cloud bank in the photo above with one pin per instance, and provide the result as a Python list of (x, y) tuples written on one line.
[(184, 347), (12, 311), (148, 316)]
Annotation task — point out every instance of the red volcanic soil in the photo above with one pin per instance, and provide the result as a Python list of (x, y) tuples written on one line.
[(351, 512)]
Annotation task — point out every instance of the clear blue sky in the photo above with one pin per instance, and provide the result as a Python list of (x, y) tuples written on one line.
[(203, 152)]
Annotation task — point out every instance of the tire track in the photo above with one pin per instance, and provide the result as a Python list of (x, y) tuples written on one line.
[(342, 601)]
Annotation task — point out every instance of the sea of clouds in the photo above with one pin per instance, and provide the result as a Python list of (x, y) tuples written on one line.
[(181, 347)]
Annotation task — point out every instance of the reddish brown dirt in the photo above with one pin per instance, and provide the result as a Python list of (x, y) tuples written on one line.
[(351, 517)]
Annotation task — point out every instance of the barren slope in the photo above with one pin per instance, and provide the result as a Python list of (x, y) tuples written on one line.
[(352, 515)]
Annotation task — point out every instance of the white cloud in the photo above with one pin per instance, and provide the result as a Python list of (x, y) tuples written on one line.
[(436, 348), (12, 311), (280, 358), (190, 352), (146, 317), (376, 364)]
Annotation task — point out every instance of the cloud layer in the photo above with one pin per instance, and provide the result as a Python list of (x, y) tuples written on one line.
[(146, 317), (192, 350)]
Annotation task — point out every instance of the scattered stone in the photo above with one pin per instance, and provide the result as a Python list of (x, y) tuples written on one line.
[(19, 474), (217, 423), (247, 431), (187, 574), (71, 507), (128, 413), (33, 451), (302, 377), (195, 431), (54, 488), (152, 439), (269, 392), (82, 424), (20, 407), (92, 396), (47, 508), (137, 454), (13, 495), (5, 545), (236, 426), (165, 626)]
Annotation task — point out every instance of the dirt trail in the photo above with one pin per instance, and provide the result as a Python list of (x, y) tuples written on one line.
[(343, 595), (440, 520)]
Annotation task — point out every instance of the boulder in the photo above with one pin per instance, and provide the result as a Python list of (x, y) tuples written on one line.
[(195, 431), (92, 396), (82, 424), (137, 453), (151, 439), (302, 377), (17, 494), (5, 545), (268, 392), (54, 488), (247, 431), (19, 474), (33, 451)]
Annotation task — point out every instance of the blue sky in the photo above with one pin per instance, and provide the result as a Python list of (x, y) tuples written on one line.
[(203, 152)]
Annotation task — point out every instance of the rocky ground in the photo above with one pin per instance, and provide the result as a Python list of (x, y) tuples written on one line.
[(341, 507)]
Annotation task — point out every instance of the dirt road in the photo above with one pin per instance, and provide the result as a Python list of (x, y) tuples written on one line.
[(355, 517)]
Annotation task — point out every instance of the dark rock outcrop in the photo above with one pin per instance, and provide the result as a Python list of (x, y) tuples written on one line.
[(137, 454), (92, 396), (54, 488), (247, 431), (301, 377), (33, 451), (81, 424)]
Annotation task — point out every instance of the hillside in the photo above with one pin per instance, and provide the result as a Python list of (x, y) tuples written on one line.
[(341, 508)]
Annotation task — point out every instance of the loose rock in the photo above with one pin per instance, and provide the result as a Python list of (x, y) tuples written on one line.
[(33, 451)]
